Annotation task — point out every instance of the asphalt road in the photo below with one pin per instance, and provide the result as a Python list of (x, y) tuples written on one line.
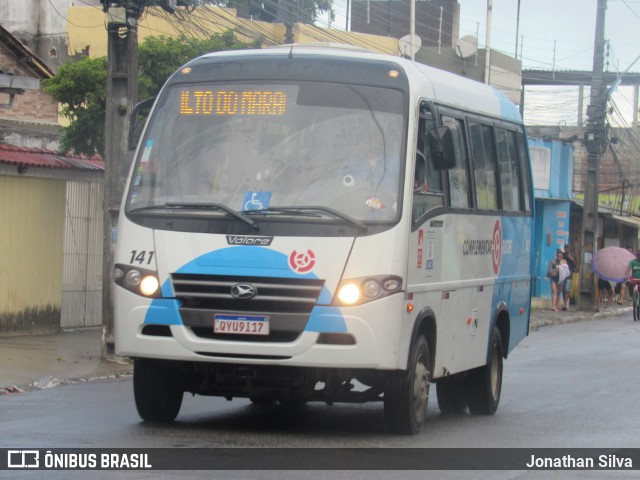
[(567, 386)]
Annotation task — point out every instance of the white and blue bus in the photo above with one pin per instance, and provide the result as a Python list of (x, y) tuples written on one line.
[(324, 224)]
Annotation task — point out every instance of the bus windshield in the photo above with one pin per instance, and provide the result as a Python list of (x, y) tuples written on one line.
[(255, 147)]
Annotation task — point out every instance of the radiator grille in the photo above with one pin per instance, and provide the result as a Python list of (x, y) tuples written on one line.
[(273, 295)]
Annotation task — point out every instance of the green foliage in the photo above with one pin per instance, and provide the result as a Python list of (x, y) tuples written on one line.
[(81, 86), (159, 57), (81, 89)]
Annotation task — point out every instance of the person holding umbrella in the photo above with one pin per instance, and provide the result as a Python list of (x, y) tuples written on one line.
[(611, 264), (604, 287)]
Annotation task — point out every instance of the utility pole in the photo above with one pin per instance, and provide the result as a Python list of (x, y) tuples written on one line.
[(122, 91), (285, 15), (487, 48), (596, 144)]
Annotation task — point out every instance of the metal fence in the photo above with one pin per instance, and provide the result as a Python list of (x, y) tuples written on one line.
[(83, 252)]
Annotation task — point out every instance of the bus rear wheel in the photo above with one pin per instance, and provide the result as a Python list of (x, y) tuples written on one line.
[(406, 395), (484, 384), (157, 391)]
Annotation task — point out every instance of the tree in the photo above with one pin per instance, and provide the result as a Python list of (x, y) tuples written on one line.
[(159, 57), (80, 86)]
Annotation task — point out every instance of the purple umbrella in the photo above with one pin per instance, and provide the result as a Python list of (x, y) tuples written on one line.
[(611, 263)]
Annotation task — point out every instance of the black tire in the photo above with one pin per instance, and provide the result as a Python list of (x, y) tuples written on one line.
[(157, 391), (406, 395), (452, 395), (484, 384)]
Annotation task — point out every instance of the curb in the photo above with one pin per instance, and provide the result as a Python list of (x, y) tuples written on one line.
[(554, 318)]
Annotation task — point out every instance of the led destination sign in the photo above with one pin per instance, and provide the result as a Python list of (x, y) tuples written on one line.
[(223, 102)]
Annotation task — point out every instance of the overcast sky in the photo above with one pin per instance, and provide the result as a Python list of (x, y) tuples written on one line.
[(569, 25), (554, 34), (560, 35)]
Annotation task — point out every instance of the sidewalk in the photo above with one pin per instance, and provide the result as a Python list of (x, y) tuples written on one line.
[(543, 318), (32, 362)]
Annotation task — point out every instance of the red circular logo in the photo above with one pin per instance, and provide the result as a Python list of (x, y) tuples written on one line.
[(496, 247), (302, 262)]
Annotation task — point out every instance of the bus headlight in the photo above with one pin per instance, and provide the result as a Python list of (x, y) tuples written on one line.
[(371, 288), (149, 285), (137, 280), (132, 278), (356, 291), (349, 294)]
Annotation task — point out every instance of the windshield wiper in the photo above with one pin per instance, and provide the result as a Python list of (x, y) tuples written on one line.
[(306, 211), (199, 206)]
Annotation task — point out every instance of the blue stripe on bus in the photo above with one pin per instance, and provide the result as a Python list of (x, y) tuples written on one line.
[(250, 261), (164, 311), (515, 294), (507, 109), (326, 319)]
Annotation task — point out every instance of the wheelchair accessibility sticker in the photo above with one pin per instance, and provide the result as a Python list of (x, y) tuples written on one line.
[(256, 200)]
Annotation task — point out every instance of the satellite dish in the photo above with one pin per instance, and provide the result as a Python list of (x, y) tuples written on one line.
[(404, 44), (467, 46)]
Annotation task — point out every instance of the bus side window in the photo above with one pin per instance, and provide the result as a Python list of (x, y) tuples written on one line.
[(509, 176), (459, 184), (526, 179), (484, 165), (427, 184)]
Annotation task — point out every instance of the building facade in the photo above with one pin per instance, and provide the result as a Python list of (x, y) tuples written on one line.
[(437, 22)]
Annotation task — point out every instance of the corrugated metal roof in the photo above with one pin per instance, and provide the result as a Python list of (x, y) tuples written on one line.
[(40, 158)]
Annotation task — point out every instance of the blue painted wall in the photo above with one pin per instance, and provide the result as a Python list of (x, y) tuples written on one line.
[(552, 232), (553, 168)]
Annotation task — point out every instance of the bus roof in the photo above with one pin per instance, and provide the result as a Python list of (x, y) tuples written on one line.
[(440, 86)]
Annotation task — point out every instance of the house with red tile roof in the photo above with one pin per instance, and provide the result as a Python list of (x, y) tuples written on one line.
[(50, 207)]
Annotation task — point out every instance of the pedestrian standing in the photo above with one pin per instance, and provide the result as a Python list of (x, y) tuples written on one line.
[(604, 287), (568, 283), (553, 274)]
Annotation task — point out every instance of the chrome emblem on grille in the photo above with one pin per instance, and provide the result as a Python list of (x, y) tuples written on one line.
[(243, 291)]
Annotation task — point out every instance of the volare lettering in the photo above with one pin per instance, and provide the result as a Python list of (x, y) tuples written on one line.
[(244, 240)]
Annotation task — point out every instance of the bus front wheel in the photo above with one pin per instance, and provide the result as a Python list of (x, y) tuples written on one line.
[(484, 384), (157, 391), (406, 395)]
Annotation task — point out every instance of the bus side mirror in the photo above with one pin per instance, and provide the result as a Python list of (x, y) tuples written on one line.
[(441, 147), (138, 119)]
